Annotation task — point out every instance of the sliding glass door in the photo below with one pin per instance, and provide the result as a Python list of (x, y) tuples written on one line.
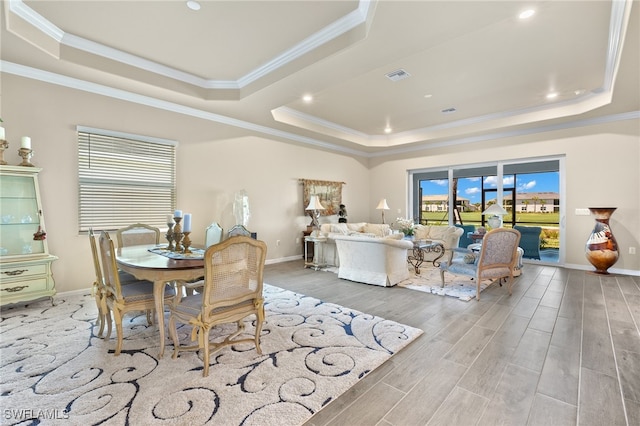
[(528, 190)]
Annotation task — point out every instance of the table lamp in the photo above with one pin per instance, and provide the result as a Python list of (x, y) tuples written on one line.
[(382, 205), (495, 213), (313, 207)]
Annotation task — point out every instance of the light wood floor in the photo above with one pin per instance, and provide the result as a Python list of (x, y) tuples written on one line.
[(564, 349)]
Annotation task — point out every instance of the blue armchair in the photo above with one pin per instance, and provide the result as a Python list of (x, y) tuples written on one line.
[(530, 240), (464, 238)]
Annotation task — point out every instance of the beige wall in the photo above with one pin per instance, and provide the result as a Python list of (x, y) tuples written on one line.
[(215, 162)]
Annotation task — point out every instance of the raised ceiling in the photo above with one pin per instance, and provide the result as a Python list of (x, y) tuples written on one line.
[(472, 66)]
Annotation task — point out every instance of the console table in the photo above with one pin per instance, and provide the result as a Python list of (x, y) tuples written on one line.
[(420, 247)]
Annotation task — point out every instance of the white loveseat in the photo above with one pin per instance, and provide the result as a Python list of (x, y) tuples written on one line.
[(373, 260), (448, 236)]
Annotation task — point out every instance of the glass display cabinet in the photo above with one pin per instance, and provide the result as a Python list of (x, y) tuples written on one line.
[(25, 262)]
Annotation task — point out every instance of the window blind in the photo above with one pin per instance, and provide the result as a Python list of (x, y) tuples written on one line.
[(124, 179)]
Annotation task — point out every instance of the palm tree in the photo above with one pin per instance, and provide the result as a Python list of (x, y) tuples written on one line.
[(535, 199)]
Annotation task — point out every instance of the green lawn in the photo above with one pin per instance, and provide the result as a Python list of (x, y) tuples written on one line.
[(548, 221)]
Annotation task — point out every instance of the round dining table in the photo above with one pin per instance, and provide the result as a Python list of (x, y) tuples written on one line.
[(144, 264)]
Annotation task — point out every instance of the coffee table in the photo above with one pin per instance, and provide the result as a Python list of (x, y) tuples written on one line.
[(420, 247)]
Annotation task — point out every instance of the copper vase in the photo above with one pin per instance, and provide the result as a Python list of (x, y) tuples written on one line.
[(602, 249)]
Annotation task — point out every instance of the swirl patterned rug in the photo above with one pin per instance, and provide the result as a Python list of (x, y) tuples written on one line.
[(53, 368)]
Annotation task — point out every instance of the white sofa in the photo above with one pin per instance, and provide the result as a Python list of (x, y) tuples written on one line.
[(373, 260), (360, 229)]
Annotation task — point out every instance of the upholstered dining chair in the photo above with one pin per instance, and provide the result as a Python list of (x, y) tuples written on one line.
[(121, 299), (137, 234), (99, 289), (497, 259), (213, 234), (233, 275)]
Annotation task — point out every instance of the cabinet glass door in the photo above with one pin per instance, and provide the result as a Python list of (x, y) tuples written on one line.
[(19, 217)]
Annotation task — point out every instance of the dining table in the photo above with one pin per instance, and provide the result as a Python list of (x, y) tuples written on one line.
[(146, 262)]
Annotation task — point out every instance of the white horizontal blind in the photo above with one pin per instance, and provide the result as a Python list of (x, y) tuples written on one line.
[(123, 180)]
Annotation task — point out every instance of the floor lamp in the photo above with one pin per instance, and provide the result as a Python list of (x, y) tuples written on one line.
[(382, 205)]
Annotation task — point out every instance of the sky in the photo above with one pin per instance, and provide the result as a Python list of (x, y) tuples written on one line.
[(471, 188)]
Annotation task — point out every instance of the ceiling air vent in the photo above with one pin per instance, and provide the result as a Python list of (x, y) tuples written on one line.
[(398, 75)]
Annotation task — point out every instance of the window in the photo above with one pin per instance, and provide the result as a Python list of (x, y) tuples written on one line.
[(124, 179)]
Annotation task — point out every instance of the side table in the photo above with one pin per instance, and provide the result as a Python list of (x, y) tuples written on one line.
[(318, 252), (420, 247)]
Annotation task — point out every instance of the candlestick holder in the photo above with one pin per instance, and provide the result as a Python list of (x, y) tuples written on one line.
[(186, 242), (26, 155), (177, 234), (3, 145), (169, 236)]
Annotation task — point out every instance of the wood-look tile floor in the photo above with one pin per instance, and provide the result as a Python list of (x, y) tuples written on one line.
[(564, 349)]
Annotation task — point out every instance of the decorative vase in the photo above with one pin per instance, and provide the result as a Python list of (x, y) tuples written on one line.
[(602, 248)]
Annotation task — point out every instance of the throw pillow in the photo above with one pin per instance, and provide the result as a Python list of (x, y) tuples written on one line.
[(340, 228), (469, 258)]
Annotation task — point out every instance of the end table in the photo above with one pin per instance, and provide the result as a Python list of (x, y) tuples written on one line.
[(317, 262)]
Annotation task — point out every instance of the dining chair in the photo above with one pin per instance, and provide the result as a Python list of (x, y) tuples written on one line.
[(99, 290), (137, 234), (121, 299), (497, 259), (213, 234), (233, 279), (239, 230)]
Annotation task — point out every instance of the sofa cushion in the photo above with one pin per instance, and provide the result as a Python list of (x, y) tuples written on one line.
[(356, 227), (399, 236), (378, 229)]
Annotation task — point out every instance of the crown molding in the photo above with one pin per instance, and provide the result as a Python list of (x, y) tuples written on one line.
[(332, 31), (77, 84)]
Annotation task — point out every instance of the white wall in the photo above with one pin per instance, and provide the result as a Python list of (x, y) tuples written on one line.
[(215, 162), (602, 170)]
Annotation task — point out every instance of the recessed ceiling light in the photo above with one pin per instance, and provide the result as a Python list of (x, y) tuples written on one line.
[(193, 5), (552, 95), (307, 98), (388, 129), (428, 95), (526, 14)]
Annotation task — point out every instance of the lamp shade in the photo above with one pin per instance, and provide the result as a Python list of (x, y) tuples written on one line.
[(382, 205), (495, 210), (314, 203)]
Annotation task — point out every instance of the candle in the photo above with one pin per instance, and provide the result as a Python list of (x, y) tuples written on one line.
[(187, 222), (25, 142), (169, 219), (1, 133), (177, 213)]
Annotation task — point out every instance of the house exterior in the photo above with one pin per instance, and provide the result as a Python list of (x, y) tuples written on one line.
[(537, 202)]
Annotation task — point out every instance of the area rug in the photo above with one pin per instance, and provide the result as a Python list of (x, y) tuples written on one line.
[(54, 370), (429, 281)]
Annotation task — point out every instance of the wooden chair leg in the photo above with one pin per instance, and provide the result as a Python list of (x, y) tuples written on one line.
[(118, 320), (109, 323)]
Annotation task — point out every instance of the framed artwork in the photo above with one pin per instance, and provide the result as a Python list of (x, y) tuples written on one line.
[(329, 193)]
